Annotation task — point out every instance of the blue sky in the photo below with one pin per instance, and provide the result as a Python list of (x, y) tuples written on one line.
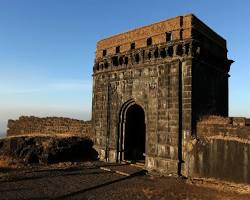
[(47, 49)]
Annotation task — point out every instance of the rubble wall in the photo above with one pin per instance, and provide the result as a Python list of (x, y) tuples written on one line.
[(49, 126), (221, 149)]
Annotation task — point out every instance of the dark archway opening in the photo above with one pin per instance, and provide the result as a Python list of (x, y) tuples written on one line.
[(134, 141)]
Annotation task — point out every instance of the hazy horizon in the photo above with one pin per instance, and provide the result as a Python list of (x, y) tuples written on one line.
[(48, 47)]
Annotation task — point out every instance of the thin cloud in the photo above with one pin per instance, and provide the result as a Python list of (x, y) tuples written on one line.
[(53, 86), (19, 98), (19, 91), (71, 85)]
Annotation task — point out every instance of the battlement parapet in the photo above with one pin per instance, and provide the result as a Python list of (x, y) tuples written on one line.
[(147, 55), (174, 29)]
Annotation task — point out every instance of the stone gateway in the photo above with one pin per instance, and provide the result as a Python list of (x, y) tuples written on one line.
[(160, 97), (150, 87)]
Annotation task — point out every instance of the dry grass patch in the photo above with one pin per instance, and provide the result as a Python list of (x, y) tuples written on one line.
[(7, 162)]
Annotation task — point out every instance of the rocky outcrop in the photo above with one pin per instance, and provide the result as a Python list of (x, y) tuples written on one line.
[(46, 149), (49, 126)]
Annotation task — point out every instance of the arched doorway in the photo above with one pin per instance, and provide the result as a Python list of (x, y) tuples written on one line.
[(134, 134)]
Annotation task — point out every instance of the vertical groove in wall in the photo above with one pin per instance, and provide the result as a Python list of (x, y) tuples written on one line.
[(108, 124), (180, 119)]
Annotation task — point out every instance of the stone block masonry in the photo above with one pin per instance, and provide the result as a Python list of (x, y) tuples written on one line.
[(49, 126), (157, 93), (167, 74), (221, 149)]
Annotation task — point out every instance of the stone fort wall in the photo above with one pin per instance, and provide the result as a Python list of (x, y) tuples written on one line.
[(176, 82), (221, 149), (49, 126)]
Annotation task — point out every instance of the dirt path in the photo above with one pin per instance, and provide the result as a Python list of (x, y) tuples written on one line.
[(90, 181)]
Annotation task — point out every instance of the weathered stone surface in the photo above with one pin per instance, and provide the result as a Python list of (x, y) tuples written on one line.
[(46, 149), (160, 95), (49, 126), (176, 71), (221, 149), (211, 126)]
